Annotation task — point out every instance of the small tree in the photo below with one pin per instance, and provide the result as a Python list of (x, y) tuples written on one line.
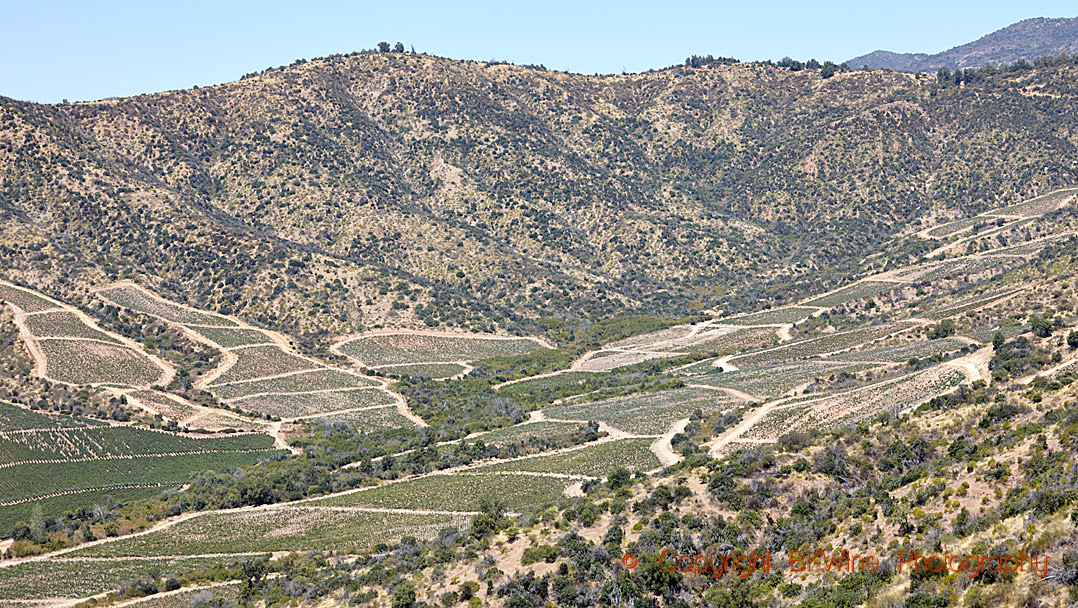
[(490, 519), (398, 48), (1041, 328), (944, 77), (619, 477), (254, 572), (943, 329), (383, 47), (468, 589), (404, 595), (38, 533), (1072, 339)]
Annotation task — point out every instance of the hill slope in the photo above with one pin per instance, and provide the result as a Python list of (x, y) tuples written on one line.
[(1026, 39), (408, 190)]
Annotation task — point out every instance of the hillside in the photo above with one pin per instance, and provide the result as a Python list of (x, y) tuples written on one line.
[(405, 190), (1025, 40)]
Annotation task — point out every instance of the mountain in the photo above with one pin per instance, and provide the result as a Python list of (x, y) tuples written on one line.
[(1026, 39), (400, 189), (901, 62)]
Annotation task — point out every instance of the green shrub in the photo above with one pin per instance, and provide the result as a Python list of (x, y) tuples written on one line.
[(539, 553)]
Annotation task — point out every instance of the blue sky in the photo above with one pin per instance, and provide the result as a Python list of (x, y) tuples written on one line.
[(91, 50)]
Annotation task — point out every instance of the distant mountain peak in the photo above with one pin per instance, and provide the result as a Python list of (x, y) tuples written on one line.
[(1027, 39)]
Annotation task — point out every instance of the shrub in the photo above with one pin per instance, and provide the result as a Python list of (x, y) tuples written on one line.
[(943, 329), (539, 553)]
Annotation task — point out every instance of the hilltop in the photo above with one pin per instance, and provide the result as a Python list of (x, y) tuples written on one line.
[(1025, 40)]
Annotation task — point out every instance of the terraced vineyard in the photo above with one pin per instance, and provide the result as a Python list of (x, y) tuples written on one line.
[(70, 348), (262, 374), (105, 442), (1008, 331), (534, 388), (12, 514), (738, 340), (608, 360), (777, 380), (544, 429), (823, 345), (955, 227), (79, 578), (186, 598), (661, 338), (838, 362), (87, 464), (373, 419), (788, 314), (705, 366), (1039, 205), (25, 299), (202, 418), (646, 413), (591, 461), (972, 303), (905, 352), (1023, 211), (170, 407), (304, 382), (15, 418), (256, 362), (133, 297), (308, 404), (858, 404), (64, 324), (721, 338), (390, 349), (89, 362), (218, 421), (457, 492), (965, 267), (1028, 249), (34, 479), (229, 337), (706, 337), (856, 291), (300, 528), (61, 461)]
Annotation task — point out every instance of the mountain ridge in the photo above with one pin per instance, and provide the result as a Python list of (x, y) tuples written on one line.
[(1024, 40)]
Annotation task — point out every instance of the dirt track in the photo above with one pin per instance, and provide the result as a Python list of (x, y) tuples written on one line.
[(662, 448)]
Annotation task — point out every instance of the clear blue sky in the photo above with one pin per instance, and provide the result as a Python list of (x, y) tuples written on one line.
[(90, 50)]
